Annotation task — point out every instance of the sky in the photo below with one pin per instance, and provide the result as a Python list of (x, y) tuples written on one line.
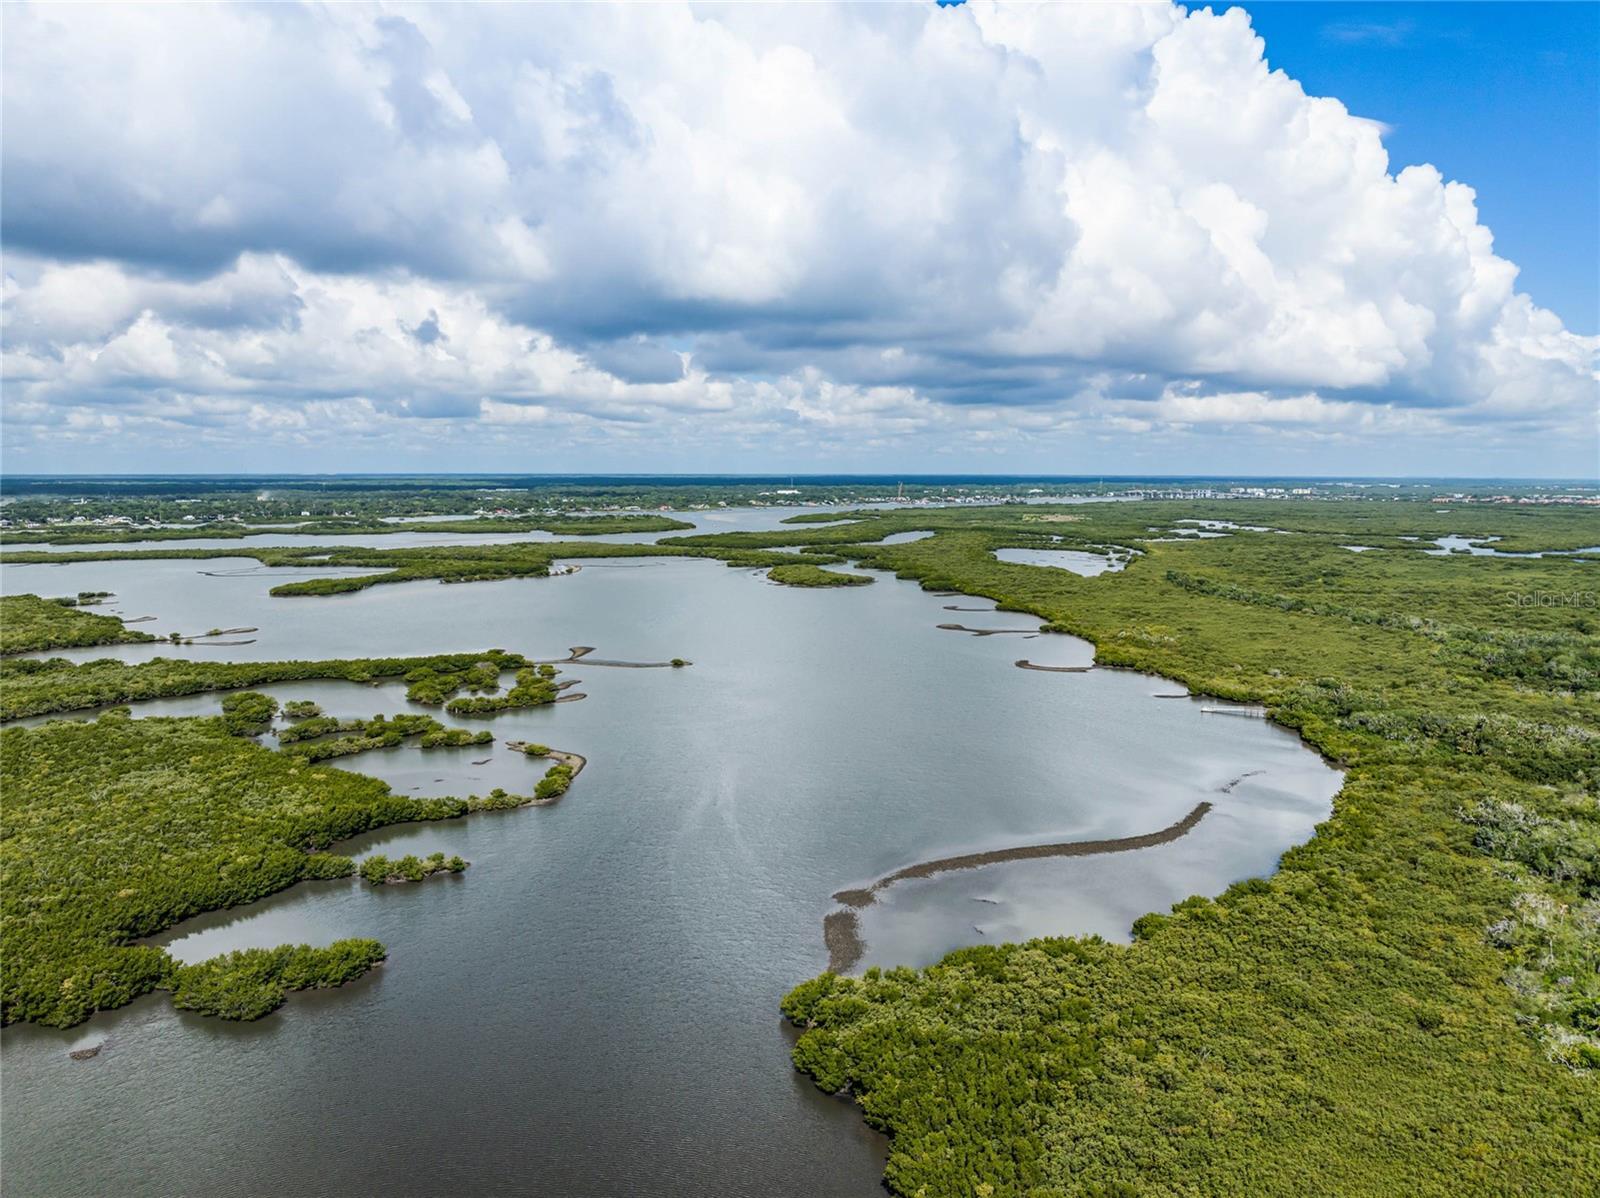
[(1287, 239), (1461, 86)]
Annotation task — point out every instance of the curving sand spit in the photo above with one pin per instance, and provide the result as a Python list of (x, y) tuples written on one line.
[(209, 639), (989, 631), (581, 653), (841, 930), (561, 757)]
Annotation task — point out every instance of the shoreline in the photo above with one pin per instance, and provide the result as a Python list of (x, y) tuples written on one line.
[(989, 631), (563, 757), (574, 761), (580, 653), (841, 929)]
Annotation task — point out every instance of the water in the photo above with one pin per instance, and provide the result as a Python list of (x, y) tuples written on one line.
[(741, 519), (1075, 560), (591, 1009), (734, 519), (1229, 525), (1484, 547)]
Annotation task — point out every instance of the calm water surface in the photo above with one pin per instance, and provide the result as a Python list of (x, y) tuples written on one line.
[(1484, 547), (591, 1009), (709, 521), (1075, 560)]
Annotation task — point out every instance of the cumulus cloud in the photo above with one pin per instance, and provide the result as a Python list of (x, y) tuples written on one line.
[(991, 228)]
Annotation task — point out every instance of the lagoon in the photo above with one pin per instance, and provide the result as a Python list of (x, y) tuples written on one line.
[(592, 1008), (1078, 561)]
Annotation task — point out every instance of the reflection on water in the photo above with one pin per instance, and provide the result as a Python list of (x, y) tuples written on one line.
[(591, 1009), (1075, 560)]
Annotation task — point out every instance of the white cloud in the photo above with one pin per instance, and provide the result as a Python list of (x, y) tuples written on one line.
[(838, 224)]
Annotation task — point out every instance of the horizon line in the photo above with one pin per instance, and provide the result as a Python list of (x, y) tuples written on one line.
[(780, 475)]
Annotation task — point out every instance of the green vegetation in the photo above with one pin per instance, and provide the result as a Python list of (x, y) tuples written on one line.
[(314, 726), (554, 784), (254, 982), (533, 688), (381, 870), (248, 713), (1408, 1005), (1411, 1004), (805, 575), (433, 684), (1092, 528), (83, 599), (32, 686), (115, 829), (498, 799), (570, 526), (69, 504), (441, 563), (29, 624), (323, 737)]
